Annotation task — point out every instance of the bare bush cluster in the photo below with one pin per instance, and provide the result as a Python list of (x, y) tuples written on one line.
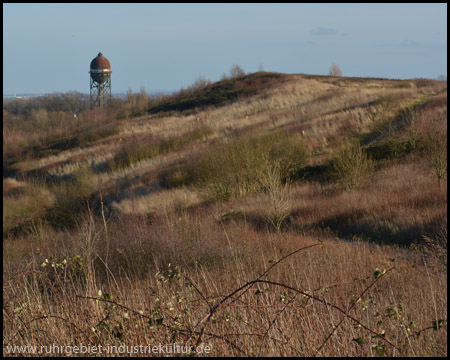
[(236, 169), (352, 167)]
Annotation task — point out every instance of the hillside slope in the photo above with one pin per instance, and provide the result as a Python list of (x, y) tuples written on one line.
[(266, 215), (389, 117)]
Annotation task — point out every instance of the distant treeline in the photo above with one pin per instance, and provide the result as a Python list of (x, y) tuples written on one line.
[(70, 101)]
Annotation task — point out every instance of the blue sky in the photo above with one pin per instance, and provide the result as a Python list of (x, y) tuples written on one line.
[(48, 47)]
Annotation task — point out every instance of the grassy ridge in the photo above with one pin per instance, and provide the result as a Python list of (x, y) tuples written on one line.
[(217, 93)]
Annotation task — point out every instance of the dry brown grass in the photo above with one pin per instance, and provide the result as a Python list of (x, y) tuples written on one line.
[(164, 278), (162, 265), (398, 205), (158, 202)]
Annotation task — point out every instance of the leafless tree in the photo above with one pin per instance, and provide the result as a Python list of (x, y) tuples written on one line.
[(335, 70), (236, 71)]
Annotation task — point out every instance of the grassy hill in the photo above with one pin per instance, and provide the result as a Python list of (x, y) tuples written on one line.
[(181, 218)]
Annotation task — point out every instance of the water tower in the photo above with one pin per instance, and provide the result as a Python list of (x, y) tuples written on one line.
[(100, 82)]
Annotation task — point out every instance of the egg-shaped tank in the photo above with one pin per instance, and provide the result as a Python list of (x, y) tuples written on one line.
[(100, 69)]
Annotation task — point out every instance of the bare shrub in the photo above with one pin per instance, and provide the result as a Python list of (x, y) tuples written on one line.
[(352, 167), (437, 155), (236, 71), (199, 83), (235, 169), (431, 133), (435, 242), (276, 207), (137, 104), (71, 199)]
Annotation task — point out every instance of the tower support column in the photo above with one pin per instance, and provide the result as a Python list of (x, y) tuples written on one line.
[(100, 95)]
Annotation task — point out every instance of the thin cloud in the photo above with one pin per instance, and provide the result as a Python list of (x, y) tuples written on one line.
[(323, 31)]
